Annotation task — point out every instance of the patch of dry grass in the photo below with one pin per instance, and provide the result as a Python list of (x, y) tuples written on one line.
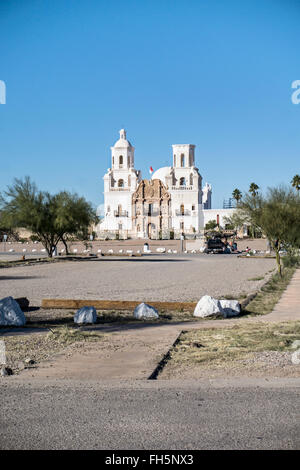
[(42, 346), (219, 346), (269, 294), (258, 278)]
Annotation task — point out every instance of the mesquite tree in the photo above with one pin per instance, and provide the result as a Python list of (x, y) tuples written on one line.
[(277, 215), (51, 218)]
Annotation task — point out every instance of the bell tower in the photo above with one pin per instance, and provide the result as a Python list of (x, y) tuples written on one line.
[(122, 153)]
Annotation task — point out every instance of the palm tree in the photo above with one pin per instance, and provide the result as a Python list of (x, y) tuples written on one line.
[(237, 195), (253, 189), (296, 183)]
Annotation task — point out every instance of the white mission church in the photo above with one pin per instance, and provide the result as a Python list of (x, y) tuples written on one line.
[(173, 200)]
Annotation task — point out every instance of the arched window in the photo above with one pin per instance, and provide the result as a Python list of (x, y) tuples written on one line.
[(174, 160), (121, 183), (182, 209), (108, 208), (191, 179), (182, 182), (138, 228), (120, 161), (129, 181), (182, 160), (128, 161)]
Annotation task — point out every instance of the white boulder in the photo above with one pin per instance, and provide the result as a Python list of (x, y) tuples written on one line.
[(11, 313), (85, 315), (207, 306), (231, 307), (145, 311)]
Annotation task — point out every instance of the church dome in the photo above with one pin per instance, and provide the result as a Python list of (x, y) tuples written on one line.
[(161, 174), (122, 142)]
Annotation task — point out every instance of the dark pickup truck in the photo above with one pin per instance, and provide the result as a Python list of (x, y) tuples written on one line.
[(214, 245)]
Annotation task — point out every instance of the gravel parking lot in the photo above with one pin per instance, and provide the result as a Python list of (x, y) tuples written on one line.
[(154, 277)]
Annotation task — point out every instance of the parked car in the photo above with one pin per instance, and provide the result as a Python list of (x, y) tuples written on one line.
[(214, 245)]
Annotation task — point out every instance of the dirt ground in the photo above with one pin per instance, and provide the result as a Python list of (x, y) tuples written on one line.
[(184, 277)]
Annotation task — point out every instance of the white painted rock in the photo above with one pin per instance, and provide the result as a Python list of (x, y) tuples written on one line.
[(161, 250), (207, 306), (11, 313), (85, 315), (296, 344), (231, 307), (145, 311)]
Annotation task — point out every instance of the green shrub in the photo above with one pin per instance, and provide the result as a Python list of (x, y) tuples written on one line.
[(291, 260)]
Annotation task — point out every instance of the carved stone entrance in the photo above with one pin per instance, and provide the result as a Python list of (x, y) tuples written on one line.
[(151, 208)]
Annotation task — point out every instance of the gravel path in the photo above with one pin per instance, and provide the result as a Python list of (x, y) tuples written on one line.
[(164, 277)]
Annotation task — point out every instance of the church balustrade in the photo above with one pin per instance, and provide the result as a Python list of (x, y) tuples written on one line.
[(182, 188), (151, 213), (119, 189), (120, 213), (183, 212)]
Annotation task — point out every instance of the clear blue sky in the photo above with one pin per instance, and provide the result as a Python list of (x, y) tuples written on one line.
[(216, 74)]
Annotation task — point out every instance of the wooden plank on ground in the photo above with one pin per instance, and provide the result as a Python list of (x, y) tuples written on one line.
[(116, 304)]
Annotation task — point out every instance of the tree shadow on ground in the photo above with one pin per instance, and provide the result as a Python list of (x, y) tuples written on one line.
[(17, 278)]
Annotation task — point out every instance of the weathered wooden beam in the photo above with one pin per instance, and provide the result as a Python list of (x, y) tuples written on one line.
[(116, 304)]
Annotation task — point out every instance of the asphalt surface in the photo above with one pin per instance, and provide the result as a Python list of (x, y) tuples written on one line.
[(149, 415)]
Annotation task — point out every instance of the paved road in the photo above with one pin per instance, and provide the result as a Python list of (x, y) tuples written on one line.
[(149, 415)]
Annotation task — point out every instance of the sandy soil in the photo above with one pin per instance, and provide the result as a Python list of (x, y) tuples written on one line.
[(157, 277)]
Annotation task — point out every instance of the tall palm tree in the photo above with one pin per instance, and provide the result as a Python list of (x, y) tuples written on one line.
[(237, 195), (296, 183), (253, 189)]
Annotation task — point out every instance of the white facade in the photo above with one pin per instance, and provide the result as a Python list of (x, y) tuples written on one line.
[(120, 182), (189, 207)]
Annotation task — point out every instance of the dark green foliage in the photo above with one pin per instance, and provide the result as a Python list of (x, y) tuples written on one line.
[(211, 224), (50, 218)]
